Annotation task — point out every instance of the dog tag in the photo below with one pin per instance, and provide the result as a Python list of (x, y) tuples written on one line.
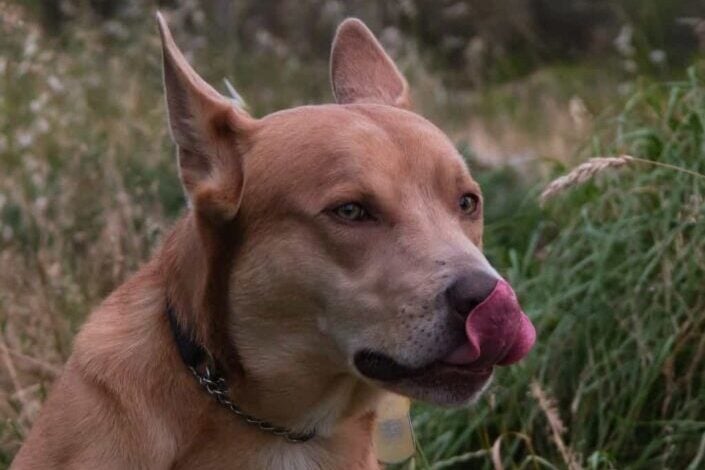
[(393, 435)]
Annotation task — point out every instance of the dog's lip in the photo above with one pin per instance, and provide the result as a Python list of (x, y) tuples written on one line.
[(380, 367), (465, 369)]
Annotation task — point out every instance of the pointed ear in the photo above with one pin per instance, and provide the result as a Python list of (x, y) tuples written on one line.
[(211, 135), (360, 70)]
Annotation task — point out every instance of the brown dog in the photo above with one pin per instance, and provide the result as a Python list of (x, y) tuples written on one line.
[(329, 253)]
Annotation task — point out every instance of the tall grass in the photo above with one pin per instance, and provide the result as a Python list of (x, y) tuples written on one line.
[(87, 184), (611, 272)]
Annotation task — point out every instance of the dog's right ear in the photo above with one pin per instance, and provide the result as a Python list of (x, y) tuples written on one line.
[(211, 135)]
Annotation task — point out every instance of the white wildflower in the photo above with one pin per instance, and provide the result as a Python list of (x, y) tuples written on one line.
[(54, 270), (55, 84), (116, 29), (657, 56), (41, 203), (578, 112), (38, 103), (7, 233), (41, 125), (24, 138), (35, 105), (37, 179), (30, 45), (623, 41)]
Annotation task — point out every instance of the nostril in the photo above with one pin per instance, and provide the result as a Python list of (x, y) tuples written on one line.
[(468, 291)]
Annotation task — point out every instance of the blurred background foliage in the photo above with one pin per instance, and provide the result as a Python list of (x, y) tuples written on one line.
[(473, 40), (611, 272)]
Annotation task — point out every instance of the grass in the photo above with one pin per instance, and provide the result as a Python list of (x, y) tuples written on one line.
[(611, 272)]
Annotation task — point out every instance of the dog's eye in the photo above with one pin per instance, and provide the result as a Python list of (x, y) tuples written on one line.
[(469, 203), (352, 212)]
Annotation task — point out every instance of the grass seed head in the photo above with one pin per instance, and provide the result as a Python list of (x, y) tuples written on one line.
[(582, 173)]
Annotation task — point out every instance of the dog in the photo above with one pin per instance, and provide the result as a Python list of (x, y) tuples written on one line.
[(329, 255)]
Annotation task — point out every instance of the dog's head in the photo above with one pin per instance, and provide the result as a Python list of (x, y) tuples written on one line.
[(359, 233)]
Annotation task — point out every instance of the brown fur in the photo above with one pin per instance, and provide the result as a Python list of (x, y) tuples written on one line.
[(270, 283)]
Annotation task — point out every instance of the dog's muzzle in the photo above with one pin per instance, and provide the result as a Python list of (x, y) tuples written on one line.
[(497, 332)]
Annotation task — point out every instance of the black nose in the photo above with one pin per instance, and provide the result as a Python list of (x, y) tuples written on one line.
[(469, 290)]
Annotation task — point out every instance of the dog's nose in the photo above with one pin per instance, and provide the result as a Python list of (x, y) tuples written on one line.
[(469, 290)]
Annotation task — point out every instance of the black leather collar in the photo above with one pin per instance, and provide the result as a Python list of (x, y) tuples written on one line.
[(192, 353), (207, 372)]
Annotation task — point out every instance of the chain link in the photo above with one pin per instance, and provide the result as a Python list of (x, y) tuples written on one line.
[(216, 387)]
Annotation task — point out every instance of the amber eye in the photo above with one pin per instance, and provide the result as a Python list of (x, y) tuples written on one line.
[(352, 212), (469, 204)]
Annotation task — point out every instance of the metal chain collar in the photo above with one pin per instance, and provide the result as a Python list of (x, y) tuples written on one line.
[(216, 386)]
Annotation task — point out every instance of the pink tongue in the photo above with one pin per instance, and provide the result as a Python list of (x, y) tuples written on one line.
[(524, 341), (498, 331)]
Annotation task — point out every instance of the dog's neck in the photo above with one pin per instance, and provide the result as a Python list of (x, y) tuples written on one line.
[(338, 407)]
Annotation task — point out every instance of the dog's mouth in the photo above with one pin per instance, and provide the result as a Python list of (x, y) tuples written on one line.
[(497, 332), (382, 368), (438, 382)]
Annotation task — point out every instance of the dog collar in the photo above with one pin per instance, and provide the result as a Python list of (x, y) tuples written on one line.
[(206, 370)]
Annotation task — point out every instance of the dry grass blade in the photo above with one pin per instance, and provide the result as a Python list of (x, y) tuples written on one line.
[(497, 454), (550, 410), (31, 363), (14, 378), (458, 459), (496, 451), (582, 173)]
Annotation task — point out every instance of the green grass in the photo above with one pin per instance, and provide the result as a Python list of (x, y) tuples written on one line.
[(611, 272)]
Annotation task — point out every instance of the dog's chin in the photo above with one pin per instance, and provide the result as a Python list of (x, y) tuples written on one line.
[(437, 383), (445, 385)]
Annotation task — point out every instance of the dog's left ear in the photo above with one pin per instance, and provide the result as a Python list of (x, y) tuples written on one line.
[(210, 132), (362, 72)]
